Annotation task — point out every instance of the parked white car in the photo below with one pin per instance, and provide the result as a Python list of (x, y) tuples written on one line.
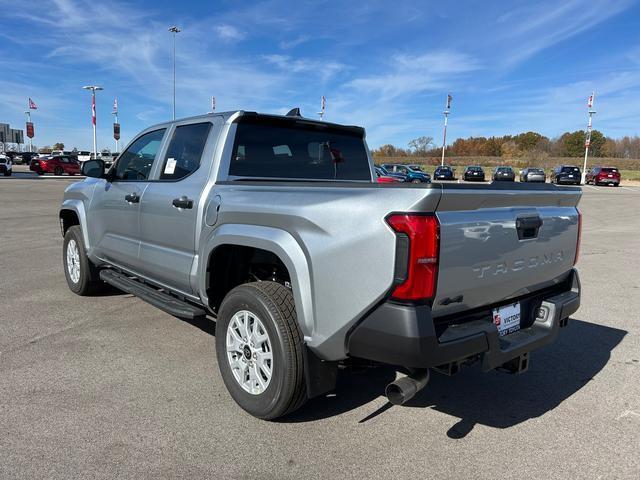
[(83, 156), (6, 166)]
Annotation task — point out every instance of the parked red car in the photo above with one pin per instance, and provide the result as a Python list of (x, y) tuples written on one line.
[(58, 165), (603, 175), (382, 178)]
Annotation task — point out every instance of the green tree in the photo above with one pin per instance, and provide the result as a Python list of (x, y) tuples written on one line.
[(573, 143), (528, 141), (58, 146), (598, 141)]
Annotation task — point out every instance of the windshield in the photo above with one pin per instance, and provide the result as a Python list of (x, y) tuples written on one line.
[(3, 160), (609, 170), (300, 150), (570, 169), (474, 169), (536, 170), (504, 169)]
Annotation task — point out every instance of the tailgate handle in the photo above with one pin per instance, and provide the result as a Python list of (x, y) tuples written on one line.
[(528, 227)]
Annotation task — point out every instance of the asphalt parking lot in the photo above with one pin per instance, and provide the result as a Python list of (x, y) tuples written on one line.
[(109, 386)]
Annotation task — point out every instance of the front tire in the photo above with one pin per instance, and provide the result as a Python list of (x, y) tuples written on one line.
[(58, 171), (81, 274), (259, 348)]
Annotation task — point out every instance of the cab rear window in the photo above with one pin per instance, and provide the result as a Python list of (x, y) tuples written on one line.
[(298, 150)]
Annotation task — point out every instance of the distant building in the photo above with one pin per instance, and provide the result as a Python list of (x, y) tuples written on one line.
[(10, 135)]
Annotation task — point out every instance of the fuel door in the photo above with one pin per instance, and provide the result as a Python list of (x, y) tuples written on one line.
[(211, 213)]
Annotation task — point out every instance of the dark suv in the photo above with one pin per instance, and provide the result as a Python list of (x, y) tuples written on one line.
[(504, 173), (444, 172), (473, 173), (566, 174)]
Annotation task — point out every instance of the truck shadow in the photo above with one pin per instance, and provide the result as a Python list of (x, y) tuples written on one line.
[(493, 399)]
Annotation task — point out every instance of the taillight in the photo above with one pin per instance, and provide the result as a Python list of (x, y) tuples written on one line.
[(575, 260), (418, 280)]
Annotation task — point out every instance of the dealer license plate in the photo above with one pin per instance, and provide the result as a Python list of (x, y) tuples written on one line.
[(507, 318)]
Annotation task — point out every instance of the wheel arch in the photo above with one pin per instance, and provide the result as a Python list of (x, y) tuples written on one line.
[(272, 240), (72, 213)]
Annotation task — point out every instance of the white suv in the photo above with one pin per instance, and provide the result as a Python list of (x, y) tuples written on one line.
[(6, 166)]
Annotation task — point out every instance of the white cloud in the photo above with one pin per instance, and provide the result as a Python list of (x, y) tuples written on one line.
[(323, 69), (528, 30), (411, 74), (229, 33)]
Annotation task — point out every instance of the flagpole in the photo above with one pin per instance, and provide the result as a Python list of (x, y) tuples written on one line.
[(322, 107), (94, 120), (28, 113), (447, 110), (117, 141), (444, 135), (587, 141)]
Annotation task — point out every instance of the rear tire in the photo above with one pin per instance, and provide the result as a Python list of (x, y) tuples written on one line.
[(58, 171), (82, 276), (40, 172), (262, 366), (415, 180)]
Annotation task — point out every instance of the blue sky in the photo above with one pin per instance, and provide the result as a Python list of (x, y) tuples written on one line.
[(510, 66)]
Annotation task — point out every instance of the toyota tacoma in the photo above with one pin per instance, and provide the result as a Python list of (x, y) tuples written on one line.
[(275, 227)]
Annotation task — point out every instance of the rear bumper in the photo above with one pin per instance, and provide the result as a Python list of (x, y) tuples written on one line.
[(568, 180), (407, 335)]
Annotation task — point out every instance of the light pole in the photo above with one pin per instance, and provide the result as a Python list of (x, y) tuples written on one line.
[(93, 89), (587, 141), (446, 113), (174, 30)]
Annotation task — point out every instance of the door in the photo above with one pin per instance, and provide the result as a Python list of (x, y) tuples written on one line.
[(114, 223), (169, 209)]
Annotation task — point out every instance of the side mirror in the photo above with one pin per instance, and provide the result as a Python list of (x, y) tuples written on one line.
[(93, 168)]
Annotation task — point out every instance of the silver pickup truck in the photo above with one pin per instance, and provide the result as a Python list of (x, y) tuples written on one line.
[(275, 226)]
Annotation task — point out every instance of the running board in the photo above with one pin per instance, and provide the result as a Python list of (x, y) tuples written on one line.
[(157, 298)]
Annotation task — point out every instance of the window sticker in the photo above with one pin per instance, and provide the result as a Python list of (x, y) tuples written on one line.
[(170, 166)]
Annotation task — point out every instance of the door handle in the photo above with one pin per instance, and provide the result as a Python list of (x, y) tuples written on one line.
[(132, 198), (183, 202), (527, 227)]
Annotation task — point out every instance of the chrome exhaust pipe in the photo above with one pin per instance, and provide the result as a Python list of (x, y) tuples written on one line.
[(405, 388)]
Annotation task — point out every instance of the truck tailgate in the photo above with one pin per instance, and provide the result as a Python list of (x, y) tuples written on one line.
[(502, 242)]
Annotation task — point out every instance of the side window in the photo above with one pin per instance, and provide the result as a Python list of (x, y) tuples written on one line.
[(185, 151), (135, 163)]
